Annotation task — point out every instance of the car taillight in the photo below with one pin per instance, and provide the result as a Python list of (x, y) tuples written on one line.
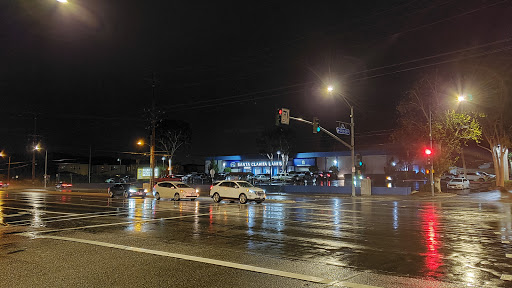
[(328, 175), (211, 187)]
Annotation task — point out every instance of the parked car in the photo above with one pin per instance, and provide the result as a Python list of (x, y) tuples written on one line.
[(327, 176), (473, 176), (458, 183), (488, 176), (283, 177), (63, 186), (299, 176), (262, 178), (4, 184), (174, 190), (448, 176), (188, 177), (241, 190), (126, 190), (111, 180)]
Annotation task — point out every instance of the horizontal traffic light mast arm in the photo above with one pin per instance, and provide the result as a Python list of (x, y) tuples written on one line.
[(326, 131)]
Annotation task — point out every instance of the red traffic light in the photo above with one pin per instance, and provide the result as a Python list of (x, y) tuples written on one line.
[(280, 111), (428, 151)]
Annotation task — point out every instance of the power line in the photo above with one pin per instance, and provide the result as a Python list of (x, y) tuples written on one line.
[(356, 73)]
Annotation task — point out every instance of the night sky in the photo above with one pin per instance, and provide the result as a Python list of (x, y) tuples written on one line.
[(84, 69)]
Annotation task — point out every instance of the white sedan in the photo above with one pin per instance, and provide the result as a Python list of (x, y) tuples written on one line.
[(458, 183), (174, 190), (241, 190)]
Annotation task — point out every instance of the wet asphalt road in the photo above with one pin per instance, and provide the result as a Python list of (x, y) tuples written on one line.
[(75, 239)]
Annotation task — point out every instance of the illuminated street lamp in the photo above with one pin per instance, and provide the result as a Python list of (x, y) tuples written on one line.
[(330, 89), (151, 159), (37, 148), (62, 1), (461, 98)]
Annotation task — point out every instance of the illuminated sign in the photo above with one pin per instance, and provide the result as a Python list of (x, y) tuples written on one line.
[(304, 162), (256, 164), (145, 173)]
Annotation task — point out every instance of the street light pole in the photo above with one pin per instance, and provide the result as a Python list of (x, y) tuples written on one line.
[(45, 167), (330, 89)]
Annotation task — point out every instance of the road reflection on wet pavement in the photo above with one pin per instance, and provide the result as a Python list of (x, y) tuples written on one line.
[(464, 240)]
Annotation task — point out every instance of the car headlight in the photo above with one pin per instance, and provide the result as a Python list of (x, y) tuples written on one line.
[(132, 190), (197, 190), (251, 191)]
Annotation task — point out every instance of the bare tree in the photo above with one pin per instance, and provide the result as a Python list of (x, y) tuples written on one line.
[(173, 135)]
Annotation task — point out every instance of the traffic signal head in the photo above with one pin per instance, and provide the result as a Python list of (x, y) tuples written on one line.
[(278, 116), (359, 160), (316, 125), (428, 152)]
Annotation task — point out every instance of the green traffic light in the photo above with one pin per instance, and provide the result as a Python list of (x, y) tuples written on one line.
[(317, 129)]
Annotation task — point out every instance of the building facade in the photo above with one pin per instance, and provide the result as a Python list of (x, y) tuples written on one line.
[(374, 162)]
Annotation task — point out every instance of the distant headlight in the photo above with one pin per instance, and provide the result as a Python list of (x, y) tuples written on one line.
[(389, 178), (132, 190), (197, 190)]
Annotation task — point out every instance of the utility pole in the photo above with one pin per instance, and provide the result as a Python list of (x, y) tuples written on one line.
[(9, 170), (153, 136)]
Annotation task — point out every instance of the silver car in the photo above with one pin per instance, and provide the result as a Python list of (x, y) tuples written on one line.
[(458, 183)]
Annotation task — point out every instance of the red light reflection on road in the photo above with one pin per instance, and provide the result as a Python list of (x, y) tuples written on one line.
[(430, 227)]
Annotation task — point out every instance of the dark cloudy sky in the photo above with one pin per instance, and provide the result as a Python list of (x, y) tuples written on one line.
[(84, 68)]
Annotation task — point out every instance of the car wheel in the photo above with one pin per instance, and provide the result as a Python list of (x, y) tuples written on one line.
[(126, 194), (259, 202), (157, 196), (110, 194), (192, 199), (242, 198), (176, 197), (216, 197)]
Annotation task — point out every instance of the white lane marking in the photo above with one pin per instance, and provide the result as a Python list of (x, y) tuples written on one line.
[(497, 233), (245, 267), (15, 215), (40, 210), (72, 218), (508, 255), (64, 216), (506, 277), (505, 242), (122, 223)]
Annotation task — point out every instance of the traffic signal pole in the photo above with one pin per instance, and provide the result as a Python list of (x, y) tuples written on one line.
[(350, 146), (431, 160), (352, 152)]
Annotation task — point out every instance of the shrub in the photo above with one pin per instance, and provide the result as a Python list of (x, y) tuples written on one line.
[(426, 188)]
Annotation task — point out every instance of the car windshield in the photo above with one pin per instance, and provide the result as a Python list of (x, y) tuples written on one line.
[(181, 185), (245, 184), (457, 180)]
